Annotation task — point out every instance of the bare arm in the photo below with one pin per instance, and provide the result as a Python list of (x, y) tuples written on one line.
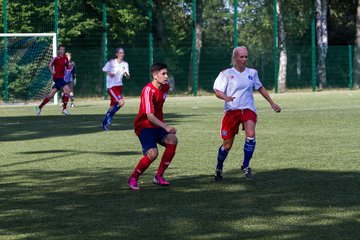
[(154, 120), (265, 94), (127, 75), (51, 69), (222, 96)]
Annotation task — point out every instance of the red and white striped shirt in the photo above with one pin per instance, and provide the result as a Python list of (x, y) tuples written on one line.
[(152, 101)]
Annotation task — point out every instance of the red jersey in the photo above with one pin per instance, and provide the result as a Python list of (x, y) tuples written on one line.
[(152, 101), (59, 64)]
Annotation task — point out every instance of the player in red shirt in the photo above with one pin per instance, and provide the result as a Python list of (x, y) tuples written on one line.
[(57, 68), (151, 128)]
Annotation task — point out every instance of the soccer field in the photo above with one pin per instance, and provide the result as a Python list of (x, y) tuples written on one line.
[(62, 177)]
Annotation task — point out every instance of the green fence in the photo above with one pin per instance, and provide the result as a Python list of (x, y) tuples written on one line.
[(92, 30)]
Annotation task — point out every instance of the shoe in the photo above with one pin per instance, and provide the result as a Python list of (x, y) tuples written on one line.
[(159, 180), (72, 105), (38, 111), (65, 112), (247, 172), (104, 127), (133, 184), (218, 175)]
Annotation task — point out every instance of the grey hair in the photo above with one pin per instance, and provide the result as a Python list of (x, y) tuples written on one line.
[(233, 54)]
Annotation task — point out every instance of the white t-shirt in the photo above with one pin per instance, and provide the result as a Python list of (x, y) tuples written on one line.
[(116, 68), (239, 85)]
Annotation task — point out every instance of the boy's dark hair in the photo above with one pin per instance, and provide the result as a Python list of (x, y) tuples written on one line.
[(157, 67), (60, 46)]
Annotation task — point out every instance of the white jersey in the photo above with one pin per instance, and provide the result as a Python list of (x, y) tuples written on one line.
[(239, 85), (116, 68)]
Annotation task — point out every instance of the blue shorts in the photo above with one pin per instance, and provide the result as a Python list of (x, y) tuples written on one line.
[(59, 83), (149, 137)]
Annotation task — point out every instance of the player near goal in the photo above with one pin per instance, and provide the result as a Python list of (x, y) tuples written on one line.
[(57, 68), (235, 86), (115, 70), (151, 128), (70, 78)]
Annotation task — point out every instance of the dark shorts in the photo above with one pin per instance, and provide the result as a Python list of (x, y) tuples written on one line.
[(232, 119), (59, 83), (149, 137)]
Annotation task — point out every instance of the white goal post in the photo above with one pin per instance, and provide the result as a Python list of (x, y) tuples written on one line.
[(20, 35)]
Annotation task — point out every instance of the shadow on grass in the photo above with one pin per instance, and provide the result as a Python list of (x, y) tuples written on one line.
[(65, 153), (32, 127), (282, 204)]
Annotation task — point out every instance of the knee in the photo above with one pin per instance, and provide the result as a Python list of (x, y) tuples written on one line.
[(227, 146), (121, 102), (250, 134), (152, 154), (171, 139)]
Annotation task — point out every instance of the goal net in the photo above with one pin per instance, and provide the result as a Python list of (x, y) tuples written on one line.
[(24, 71)]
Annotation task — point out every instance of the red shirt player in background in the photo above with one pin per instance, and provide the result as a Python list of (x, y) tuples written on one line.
[(151, 128), (57, 68)]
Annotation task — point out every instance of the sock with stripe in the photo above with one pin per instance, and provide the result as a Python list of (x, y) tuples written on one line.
[(166, 159), (143, 164), (222, 154), (249, 148)]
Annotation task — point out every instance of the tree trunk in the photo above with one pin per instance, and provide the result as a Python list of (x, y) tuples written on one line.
[(161, 38), (322, 39), (356, 73), (199, 13), (283, 53)]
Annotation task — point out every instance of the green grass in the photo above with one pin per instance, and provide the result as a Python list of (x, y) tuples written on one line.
[(61, 177)]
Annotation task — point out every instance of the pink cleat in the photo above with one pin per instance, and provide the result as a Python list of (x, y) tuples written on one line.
[(133, 184), (159, 180)]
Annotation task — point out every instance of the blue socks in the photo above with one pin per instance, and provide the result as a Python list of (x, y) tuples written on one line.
[(114, 110), (109, 115), (249, 148), (221, 157)]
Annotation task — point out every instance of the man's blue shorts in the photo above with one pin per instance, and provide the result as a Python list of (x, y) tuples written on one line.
[(59, 83), (149, 137)]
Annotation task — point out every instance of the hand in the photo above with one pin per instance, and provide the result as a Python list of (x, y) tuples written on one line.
[(229, 99), (126, 74), (53, 72), (276, 107), (170, 129), (111, 75)]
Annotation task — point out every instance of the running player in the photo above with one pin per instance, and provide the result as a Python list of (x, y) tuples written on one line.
[(115, 69), (235, 86), (57, 68), (70, 78), (151, 129)]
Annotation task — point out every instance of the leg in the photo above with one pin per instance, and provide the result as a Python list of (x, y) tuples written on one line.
[(249, 147), (171, 143), (71, 86), (223, 152), (148, 142), (145, 162), (141, 167), (229, 128), (45, 101), (114, 109), (116, 102), (65, 97)]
